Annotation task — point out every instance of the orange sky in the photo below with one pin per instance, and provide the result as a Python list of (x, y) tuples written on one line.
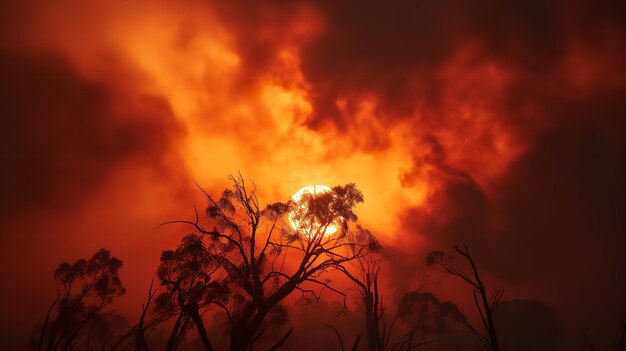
[(446, 117)]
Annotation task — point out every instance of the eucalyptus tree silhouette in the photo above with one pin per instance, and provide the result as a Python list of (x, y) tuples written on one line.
[(76, 319), (364, 273), (485, 304), (188, 275), (262, 259), (425, 317), (420, 311)]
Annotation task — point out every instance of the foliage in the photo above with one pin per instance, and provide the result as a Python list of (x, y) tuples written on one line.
[(258, 258), (77, 317), (426, 315)]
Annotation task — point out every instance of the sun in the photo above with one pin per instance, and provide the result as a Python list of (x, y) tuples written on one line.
[(297, 197)]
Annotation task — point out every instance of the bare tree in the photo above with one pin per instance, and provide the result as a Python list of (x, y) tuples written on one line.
[(423, 312), (77, 318), (140, 328), (135, 337), (364, 273), (485, 304), (266, 260)]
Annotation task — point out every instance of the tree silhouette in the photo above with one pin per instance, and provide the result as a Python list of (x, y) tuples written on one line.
[(264, 260), (77, 318), (134, 337), (364, 273), (340, 338), (425, 316), (422, 312), (485, 305), (140, 329), (187, 273)]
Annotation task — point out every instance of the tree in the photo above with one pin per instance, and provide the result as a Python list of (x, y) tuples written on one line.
[(76, 317), (485, 305), (364, 274), (422, 311), (340, 338), (425, 316), (265, 260), (187, 275), (135, 337)]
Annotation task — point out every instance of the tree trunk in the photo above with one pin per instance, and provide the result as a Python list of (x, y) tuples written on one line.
[(195, 316), (244, 330), (491, 326), (171, 342), (371, 324), (240, 338)]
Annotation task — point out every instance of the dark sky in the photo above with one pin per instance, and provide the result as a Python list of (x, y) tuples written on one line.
[(497, 126)]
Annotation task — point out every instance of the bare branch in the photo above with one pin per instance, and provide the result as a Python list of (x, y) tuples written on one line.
[(484, 305), (589, 343), (343, 348)]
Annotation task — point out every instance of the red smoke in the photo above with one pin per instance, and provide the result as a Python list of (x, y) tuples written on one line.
[(494, 125)]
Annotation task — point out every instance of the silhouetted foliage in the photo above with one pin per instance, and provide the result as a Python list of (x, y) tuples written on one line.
[(425, 317), (484, 304), (76, 319), (261, 258), (187, 274)]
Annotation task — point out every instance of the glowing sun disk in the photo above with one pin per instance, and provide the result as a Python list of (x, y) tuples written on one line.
[(297, 197)]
